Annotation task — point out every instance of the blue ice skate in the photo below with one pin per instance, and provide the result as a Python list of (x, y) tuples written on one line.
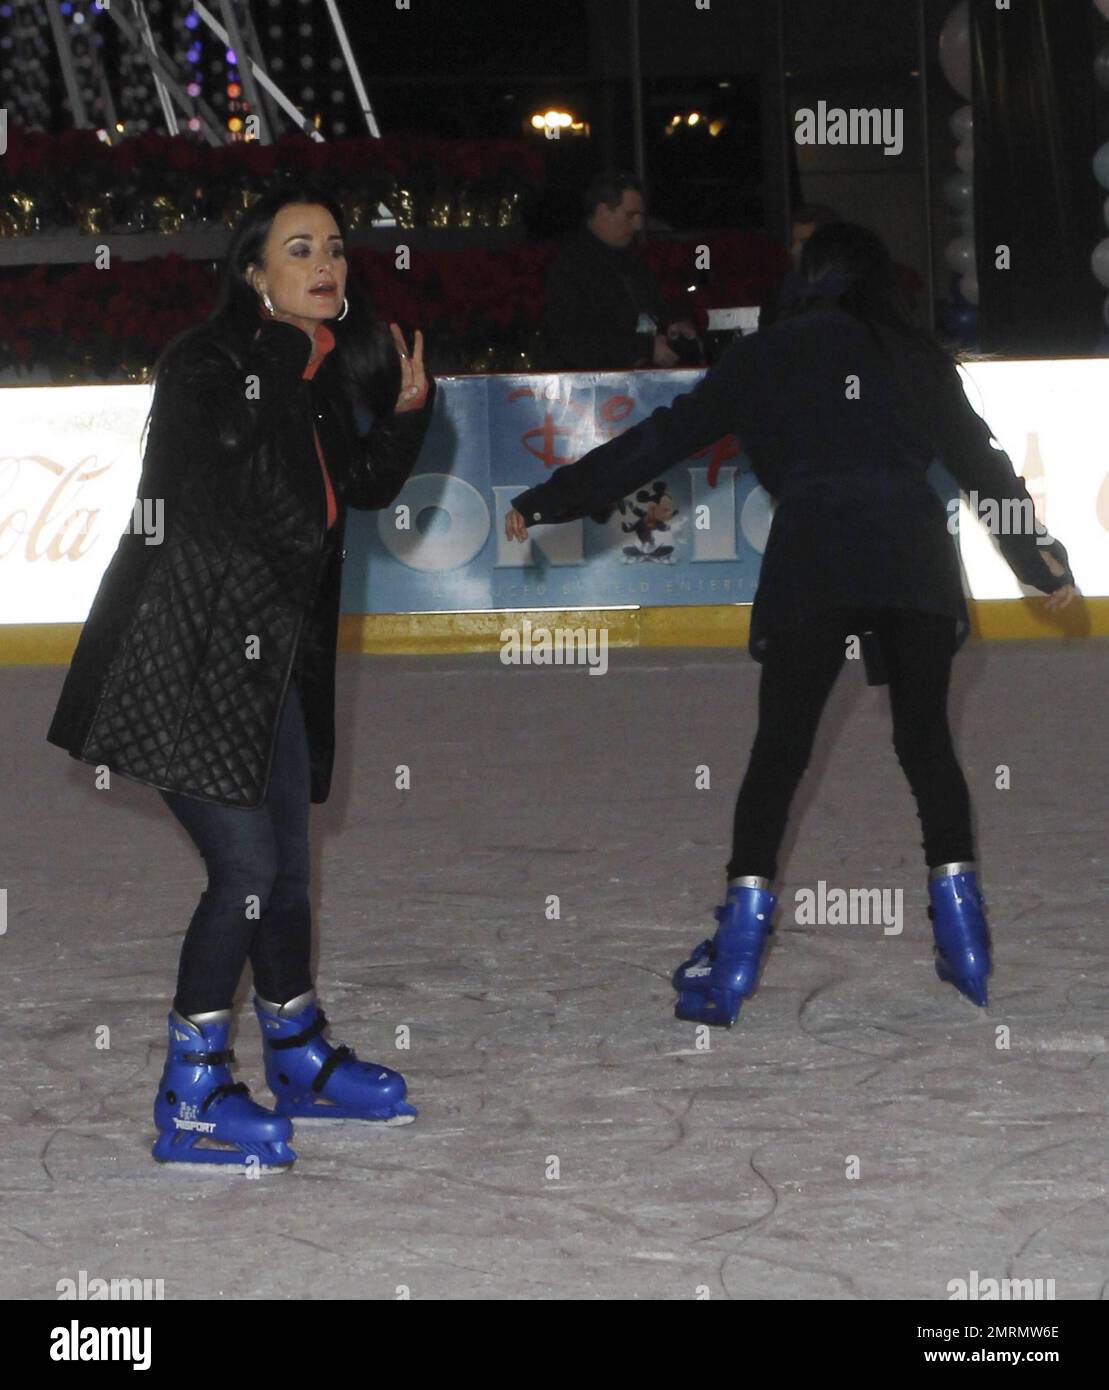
[(959, 927), (725, 970), (204, 1117), (313, 1080)]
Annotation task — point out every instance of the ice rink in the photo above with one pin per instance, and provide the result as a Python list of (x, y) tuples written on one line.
[(574, 1141)]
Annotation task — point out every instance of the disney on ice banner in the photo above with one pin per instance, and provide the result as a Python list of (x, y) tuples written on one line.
[(71, 465), (498, 435)]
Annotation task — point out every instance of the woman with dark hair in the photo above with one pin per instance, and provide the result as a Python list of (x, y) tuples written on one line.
[(841, 406), (206, 666)]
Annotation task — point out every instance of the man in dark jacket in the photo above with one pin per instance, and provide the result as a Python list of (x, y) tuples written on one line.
[(604, 311)]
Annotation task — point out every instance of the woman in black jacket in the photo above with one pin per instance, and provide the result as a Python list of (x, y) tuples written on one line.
[(841, 406), (206, 666)]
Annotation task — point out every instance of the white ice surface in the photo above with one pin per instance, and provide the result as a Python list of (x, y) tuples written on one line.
[(533, 1038)]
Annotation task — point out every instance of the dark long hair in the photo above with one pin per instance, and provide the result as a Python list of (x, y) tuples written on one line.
[(365, 354), (874, 295)]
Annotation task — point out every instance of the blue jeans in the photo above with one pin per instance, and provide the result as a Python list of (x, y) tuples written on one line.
[(256, 902)]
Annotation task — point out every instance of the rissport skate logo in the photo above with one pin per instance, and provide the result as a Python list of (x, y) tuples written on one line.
[(186, 1119)]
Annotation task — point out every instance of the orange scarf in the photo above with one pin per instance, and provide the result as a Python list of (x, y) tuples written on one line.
[(325, 341)]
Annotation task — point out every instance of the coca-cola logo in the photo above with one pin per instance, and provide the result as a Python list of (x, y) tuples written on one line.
[(58, 529)]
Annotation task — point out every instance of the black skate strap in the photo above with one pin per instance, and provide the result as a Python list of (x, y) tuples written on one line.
[(208, 1059), (229, 1088), (314, 1029), (339, 1055)]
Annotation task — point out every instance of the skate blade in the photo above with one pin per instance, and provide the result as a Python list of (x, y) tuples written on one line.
[(972, 988), (172, 1165), (716, 1012), (199, 1160), (378, 1122), (307, 1112)]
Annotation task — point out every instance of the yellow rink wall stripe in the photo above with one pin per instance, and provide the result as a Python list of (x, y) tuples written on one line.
[(693, 625)]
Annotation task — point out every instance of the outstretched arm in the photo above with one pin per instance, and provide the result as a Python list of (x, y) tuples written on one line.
[(596, 482), (963, 440)]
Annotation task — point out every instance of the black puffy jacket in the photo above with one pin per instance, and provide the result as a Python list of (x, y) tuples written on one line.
[(181, 669)]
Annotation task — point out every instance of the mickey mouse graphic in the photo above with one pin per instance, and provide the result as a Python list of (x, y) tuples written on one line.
[(651, 510)]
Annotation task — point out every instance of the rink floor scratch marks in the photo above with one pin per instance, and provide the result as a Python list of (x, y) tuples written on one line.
[(43, 1152), (795, 1266), (746, 1228), (996, 1172), (678, 1119), (312, 1245), (1052, 1221), (651, 970), (822, 1038), (28, 1235), (1025, 1243)]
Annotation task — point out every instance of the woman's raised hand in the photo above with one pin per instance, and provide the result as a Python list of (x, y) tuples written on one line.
[(413, 381)]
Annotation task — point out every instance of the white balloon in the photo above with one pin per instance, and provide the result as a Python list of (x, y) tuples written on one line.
[(959, 254), (1101, 165), (959, 191), (1100, 262), (1103, 6), (969, 286), (955, 49), (964, 156), (1101, 68), (961, 124)]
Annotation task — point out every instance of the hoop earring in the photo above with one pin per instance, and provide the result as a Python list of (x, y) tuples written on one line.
[(346, 306), (268, 302)]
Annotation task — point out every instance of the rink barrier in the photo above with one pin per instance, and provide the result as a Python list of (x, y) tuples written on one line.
[(432, 572), (692, 625)]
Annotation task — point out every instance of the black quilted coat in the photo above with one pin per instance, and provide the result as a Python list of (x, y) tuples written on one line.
[(181, 670)]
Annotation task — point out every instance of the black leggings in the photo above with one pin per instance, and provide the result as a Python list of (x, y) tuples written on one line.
[(798, 673), (256, 902)]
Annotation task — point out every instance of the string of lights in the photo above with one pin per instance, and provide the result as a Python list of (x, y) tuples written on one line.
[(115, 81)]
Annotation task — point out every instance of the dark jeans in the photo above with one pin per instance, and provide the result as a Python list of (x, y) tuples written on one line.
[(798, 673), (256, 902)]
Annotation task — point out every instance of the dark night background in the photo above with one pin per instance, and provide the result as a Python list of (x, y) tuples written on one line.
[(450, 69)]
